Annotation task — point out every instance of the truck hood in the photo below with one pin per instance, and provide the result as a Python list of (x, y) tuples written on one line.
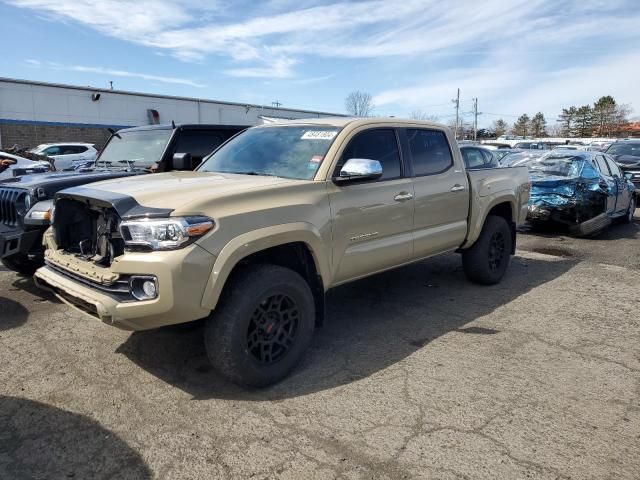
[(47, 184), (173, 190)]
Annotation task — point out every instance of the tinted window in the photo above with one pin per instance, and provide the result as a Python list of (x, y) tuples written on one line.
[(379, 144), (430, 151), (613, 167), (602, 165), (473, 157), (199, 143), (488, 157), (51, 151)]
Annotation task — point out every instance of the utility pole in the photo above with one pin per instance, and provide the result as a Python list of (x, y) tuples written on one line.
[(457, 102), (276, 103), (475, 119)]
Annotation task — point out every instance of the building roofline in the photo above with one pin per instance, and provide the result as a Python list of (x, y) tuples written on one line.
[(170, 97)]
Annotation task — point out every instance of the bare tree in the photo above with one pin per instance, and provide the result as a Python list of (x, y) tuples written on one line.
[(421, 115), (359, 104)]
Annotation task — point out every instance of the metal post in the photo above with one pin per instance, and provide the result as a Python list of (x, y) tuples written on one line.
[(475, 120), (457, 109)]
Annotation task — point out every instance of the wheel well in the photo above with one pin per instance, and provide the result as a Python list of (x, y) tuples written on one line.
[(298, 257), (505, 211)]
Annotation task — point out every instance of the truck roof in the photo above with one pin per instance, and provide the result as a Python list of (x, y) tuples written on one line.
[(184, 126), (344, 121)]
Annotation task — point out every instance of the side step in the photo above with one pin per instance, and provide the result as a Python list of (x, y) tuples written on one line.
[(592, 226)]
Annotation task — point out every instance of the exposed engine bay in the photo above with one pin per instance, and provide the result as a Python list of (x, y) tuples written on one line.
[(88, 231)]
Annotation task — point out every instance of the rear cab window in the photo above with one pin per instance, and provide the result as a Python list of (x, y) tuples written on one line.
[(430, 152)]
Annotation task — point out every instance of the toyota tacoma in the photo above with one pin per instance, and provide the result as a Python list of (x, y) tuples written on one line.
[(268, 223)]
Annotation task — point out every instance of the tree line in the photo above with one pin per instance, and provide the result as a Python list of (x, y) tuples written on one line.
[(606, 118)]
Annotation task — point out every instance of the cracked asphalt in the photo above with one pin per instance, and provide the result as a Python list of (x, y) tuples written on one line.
[(417, 374)]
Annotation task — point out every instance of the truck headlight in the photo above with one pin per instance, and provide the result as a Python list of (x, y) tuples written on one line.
[(164, 233)]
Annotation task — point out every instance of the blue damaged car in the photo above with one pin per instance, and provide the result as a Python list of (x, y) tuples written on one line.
[(584, 190)]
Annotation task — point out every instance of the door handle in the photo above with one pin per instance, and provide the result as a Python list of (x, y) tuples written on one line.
[(457, 188), (403, 197)]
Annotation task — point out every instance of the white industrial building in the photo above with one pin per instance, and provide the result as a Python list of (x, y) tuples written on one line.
[(36, 112)]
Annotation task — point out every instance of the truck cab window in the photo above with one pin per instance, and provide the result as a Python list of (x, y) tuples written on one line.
[(429, 151), (376, 144)]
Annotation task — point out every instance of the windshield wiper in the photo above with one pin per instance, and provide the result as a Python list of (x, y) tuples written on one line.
[(251, 173)]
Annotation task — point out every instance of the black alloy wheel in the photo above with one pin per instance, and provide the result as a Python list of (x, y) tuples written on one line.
[(496, 251), (272, 329)]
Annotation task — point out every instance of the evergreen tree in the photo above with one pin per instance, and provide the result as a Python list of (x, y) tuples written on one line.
[(604, 112), (539, 125), (522, 126), (500, 127), (583, 126), (566, 119)]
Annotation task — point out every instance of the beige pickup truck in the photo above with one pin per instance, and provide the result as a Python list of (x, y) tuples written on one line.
[(268, 223)]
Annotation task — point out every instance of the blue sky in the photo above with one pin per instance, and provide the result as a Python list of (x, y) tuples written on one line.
[(516, 56)]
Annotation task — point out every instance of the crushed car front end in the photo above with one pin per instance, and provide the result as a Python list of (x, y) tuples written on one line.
[(105, 257)]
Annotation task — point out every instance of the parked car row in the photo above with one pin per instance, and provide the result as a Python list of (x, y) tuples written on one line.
[(577, 186)]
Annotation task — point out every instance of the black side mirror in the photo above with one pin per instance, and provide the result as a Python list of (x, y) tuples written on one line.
[(182, 161)]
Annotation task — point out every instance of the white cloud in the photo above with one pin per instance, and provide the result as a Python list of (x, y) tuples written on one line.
[(521, 87), (508, 45), (112, 72)]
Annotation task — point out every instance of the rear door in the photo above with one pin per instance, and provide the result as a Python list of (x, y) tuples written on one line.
[(624, 195), (612, 185), (372, 220), (441, 190)]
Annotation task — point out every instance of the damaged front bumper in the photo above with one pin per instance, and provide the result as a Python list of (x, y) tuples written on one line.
[(105, 293)]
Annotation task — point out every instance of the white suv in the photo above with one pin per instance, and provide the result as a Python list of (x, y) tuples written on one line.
[(65, 154)]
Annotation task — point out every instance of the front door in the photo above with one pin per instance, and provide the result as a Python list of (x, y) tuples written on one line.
[(372, 220)]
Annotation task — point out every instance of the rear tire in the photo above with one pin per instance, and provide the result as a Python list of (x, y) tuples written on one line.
[(628, 218), (262, 325), (486, 261), (21, 264)]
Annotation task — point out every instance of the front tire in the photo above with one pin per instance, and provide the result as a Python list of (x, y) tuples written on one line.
[(486, 261), (628, 218), (21, 264), (262, 325)]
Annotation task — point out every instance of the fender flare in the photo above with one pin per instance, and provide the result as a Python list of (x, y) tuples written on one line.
[(257, 240), (476, 224)]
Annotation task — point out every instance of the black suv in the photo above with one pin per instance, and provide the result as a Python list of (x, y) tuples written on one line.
[(26, 201), (626, 154)]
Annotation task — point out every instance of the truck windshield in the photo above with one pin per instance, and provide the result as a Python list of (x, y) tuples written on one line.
[(282, 151), (140, 148)]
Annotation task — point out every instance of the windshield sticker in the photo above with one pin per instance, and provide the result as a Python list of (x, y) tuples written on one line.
[(318, 135), (314, 162)]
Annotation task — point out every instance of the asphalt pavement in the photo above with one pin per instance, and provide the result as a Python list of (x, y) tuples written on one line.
[(416, 374)]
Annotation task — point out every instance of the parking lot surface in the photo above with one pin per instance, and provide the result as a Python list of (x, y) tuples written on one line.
[(416, 374)]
